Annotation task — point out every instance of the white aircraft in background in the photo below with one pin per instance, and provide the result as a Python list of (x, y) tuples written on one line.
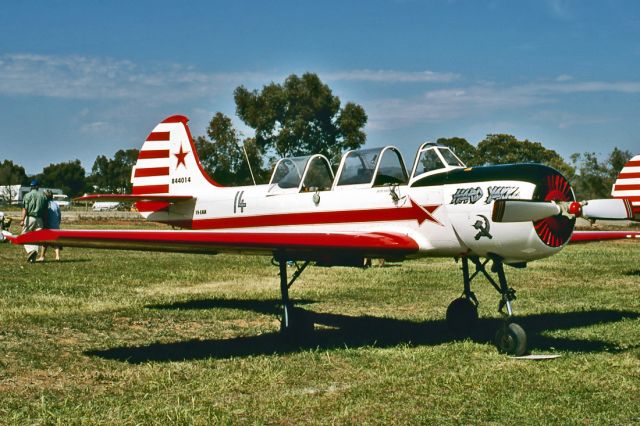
[(372, 208)]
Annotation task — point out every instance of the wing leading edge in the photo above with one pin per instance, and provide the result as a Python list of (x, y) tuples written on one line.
[(593, 236), (296, 246)]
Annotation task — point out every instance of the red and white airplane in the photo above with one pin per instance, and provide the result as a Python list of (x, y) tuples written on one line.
[(371, 208)]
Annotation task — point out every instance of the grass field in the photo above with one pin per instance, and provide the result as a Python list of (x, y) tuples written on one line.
[(147, 338)]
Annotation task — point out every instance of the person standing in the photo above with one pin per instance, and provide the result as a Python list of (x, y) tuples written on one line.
[(53, 222), (34, 207)]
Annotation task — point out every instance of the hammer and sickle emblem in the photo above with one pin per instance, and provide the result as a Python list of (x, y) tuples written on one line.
[(483, 227)]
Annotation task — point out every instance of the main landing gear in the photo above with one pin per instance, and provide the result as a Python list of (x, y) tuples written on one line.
[(462, 313), (295, 322)]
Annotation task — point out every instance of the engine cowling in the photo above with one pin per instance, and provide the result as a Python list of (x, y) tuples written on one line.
[(470, 194)]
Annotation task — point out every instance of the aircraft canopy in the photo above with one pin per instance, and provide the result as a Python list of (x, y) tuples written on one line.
[(433, 158), (308, 173), (372, 167)]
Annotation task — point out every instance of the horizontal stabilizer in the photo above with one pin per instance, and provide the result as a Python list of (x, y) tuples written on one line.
[(122, 198), (524, 210), (609, 209)]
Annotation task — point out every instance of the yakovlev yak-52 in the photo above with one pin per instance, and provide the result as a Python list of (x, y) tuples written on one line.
[(372, 208)]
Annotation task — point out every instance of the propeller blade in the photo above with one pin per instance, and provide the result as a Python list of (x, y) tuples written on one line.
[(523, 210), (610, 209)]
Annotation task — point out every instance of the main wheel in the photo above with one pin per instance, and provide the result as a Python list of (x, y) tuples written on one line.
[(462, 316), (511, 339)]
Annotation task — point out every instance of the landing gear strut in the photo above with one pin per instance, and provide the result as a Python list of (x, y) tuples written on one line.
[(463, 313), (295, 322)]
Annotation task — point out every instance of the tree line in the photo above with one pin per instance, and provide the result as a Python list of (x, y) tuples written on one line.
[(302, 116)]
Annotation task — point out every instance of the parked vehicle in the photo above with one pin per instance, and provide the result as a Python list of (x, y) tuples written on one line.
[(62, 200), (102, 206)]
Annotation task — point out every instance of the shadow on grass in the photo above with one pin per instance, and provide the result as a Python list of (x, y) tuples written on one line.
[(267, 307), (633, 272), (349, 331), (62, 260)]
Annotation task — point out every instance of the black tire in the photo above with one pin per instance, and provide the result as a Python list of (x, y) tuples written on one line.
[(462, 316), (511, 339)]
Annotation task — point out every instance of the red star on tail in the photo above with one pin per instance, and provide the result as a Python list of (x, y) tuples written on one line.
[(180, 156)]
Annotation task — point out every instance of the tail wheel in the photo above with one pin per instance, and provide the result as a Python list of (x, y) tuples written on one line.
[(555, 231)]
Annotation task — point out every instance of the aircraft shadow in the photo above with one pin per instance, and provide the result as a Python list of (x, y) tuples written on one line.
[(349, 331), (63, 260)]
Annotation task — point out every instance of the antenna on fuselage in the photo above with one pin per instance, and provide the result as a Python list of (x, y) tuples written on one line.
[(246, 156)]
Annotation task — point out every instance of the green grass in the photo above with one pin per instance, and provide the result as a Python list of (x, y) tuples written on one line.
[(153, 338)]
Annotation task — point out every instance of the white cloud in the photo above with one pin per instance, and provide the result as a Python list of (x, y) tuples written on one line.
[(563, 77), (79, 77), (561, 9), (438, 105), (391, 76), (481, 99), (628, 87)]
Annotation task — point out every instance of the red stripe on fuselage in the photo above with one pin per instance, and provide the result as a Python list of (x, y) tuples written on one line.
[(159, 137), (152, 171), (150, 189), (414, 212), (153, 153)]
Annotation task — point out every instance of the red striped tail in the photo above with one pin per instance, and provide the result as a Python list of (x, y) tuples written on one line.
[(628, 185), (168, 163)]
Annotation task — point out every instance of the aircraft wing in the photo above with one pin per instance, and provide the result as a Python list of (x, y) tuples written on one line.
[(320, 246), (592, 236)]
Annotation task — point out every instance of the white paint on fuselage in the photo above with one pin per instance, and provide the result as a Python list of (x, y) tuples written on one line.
[(451, 233)]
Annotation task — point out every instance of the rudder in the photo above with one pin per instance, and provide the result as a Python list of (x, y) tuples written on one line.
[(168, 162)]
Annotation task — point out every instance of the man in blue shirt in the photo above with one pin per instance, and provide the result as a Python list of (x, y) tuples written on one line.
[(53, 218)]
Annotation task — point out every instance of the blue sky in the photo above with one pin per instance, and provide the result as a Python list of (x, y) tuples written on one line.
[(84, 78)]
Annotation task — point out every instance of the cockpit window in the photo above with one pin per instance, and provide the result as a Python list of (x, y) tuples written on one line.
[(427, 162), (391, 169), (450, 158), (432, 158), (288, 172), (359, 166), (319, 175)]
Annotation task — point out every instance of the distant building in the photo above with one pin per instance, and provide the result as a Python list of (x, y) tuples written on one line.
[(13, 194)]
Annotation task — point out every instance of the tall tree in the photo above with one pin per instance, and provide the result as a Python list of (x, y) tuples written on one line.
[(113, 175), (505, 149), (301, 116), (10, 174), (222, 156), (463, 149), (595, 178), (68, 176)]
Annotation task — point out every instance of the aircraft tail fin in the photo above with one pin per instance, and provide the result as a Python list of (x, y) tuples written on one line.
[(168, 163), (627, 185)]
